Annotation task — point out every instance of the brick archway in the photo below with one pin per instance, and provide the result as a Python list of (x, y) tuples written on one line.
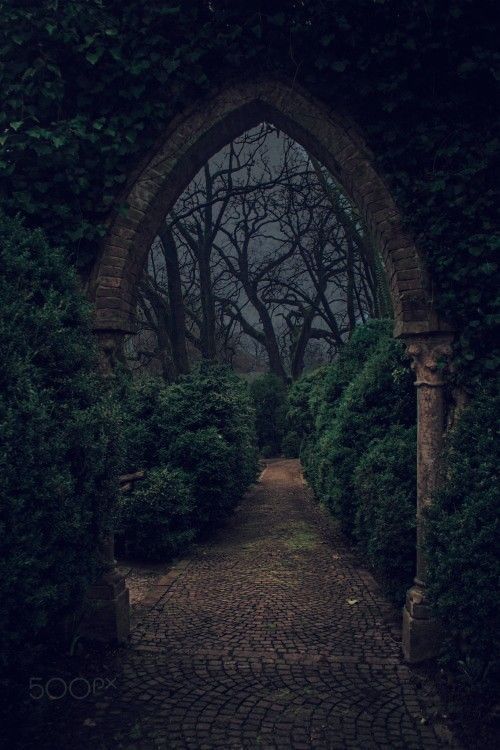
[(189, 141), (194, 136)]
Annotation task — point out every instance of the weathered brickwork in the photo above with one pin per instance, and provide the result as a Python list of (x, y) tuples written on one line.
[(195, 136)]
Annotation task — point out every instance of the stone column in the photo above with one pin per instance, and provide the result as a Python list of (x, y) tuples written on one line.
[(430, 355), (107, 611)]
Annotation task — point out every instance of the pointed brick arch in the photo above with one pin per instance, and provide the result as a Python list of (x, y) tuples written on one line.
[(189, 141), (195, 135)]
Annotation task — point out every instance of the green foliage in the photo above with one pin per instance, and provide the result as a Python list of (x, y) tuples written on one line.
[(419, 79), (356, 420), (157, 517), (350, 360), (60, 448), (385, 484), (211, 397), (198, 433), (301, 401), (269, 395), (140, 398), (209, 461), (290, 445), (463, 540), (379, 396)]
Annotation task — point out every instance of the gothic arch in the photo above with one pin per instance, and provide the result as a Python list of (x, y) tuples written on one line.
[(188, 142), (194, 136)]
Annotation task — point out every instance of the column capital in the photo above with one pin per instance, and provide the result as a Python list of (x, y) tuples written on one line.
[(430, 356)]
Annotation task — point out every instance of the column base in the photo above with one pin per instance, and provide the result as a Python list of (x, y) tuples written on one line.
[(107, 615), (422, 631)]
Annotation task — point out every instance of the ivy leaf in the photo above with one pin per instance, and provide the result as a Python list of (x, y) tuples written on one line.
[(278, 19), (339, 66), (16, 125), (467, 66), (93, 57)]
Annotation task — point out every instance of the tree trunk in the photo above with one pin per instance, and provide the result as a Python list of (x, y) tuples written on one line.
[(176, 303), (207, 333), (271, 344), (299, 350)]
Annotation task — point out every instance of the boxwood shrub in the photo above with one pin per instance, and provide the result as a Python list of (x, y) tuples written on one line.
[(385, 485), (157, 517), (463, 542), (269, 395), (207, 458), (379, 396), (59, 445), (197, 434), (356, 420)]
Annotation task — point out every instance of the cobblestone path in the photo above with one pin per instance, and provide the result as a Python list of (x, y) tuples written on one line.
[(269, 637)]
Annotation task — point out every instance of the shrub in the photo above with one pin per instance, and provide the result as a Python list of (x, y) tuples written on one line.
[(140, 397), (206, 457), (385, 520), (203, 427), (379, 396), (462, 540), (356, 421), (157, 517), (351, 359), (60, 449), (290, 444), (314, 399), (211, 396), (300, 416), (269, 395)]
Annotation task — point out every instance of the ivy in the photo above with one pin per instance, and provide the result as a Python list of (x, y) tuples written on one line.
[(89, 85)]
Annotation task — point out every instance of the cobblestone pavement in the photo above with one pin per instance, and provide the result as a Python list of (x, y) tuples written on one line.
[(269, 636)]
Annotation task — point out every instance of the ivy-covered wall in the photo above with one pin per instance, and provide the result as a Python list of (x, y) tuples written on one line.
[(89, 86)]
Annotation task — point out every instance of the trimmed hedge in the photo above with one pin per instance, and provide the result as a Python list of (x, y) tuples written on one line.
[(60, 445), (208, 460), (356, 420), (381, 395), (358, 447), (355, 401), (303, 403), (463, 541), (158, 515), (385, 484), (290, 445), (269, 395), (197, 434)]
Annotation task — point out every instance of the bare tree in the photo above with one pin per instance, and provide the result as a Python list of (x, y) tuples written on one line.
[(262, 246)]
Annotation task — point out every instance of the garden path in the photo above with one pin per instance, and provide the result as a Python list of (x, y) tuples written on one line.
[(268, 636)]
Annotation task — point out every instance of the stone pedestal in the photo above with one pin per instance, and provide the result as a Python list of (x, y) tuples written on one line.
[(430, 355), (107, 612), (421, 629)]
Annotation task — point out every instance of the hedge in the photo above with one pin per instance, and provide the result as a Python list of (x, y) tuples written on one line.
[(197, 434), (269, 394), (158, 516), (463, 541), (60, 445), (385, 484), (356, 418)]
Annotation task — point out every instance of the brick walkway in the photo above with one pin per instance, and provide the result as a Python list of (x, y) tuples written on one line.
[(269, 637)]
